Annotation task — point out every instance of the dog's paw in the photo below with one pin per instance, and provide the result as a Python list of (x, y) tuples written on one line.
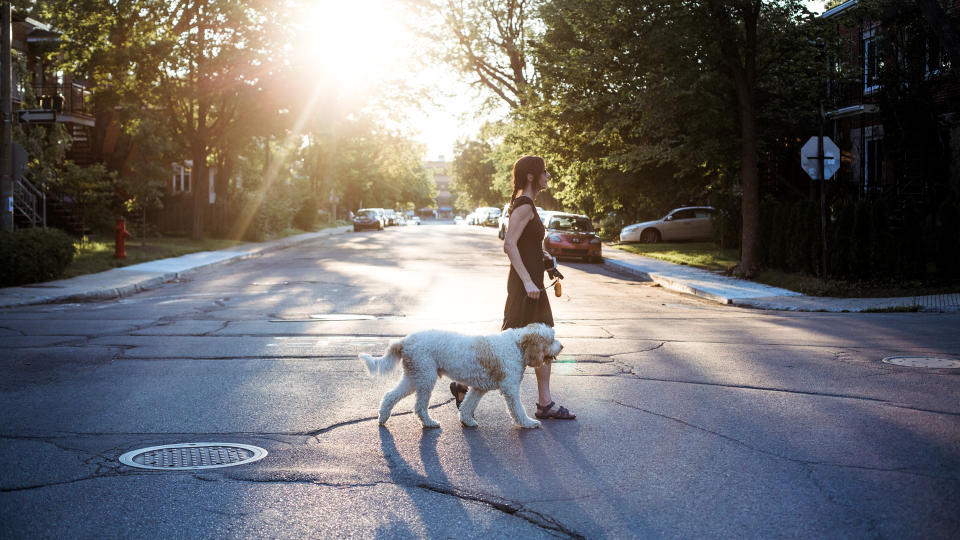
[(468, 422), (531, 424)]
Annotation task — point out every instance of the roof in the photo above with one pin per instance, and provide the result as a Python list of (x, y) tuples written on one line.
[(834, 11)]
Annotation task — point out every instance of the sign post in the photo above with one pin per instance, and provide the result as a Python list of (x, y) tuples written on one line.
[(820, 157)]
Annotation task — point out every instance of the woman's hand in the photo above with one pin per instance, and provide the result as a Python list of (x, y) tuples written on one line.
[(533, 292)]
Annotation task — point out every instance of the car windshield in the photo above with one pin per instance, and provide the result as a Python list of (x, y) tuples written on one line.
[(367, 214), (571, 223)]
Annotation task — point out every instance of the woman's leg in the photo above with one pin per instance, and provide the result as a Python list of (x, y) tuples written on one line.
[(543, 384)]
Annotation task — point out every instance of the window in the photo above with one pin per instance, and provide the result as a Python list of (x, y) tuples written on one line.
[(683, 214), (873, 164), (871, 63), (703, 214), (571, 223), (936, 60), (181, 178)]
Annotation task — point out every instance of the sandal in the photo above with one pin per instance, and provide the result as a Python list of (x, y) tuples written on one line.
[(459, 392), (546, 411)]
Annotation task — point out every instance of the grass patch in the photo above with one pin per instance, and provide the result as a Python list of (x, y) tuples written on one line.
[(95, 253), (704, 255)]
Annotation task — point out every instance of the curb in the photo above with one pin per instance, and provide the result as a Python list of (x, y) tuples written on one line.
[(152, 280), (665, 282)]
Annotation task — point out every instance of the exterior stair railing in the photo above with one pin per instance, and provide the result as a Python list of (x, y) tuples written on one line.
[(29, 202)]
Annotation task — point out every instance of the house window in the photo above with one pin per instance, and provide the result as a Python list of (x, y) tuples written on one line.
[(181, 178), (873, 164), (871, 63), (936, 60)]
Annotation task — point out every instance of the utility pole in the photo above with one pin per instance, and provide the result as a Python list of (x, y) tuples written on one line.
[(6, 107)]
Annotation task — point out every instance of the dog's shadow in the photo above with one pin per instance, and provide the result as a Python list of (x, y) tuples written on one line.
[(416, 484)]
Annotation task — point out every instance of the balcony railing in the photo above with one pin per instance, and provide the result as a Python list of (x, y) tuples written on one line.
[(70, 99)]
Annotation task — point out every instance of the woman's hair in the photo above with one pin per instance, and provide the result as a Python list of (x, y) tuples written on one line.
[(534, 165)]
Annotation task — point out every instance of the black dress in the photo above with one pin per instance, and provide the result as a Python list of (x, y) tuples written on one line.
[(520, 310)]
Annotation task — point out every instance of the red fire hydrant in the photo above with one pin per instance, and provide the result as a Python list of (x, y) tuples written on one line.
[(120, 240)]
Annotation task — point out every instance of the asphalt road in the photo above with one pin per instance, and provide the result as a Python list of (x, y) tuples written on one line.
[(694, 419)]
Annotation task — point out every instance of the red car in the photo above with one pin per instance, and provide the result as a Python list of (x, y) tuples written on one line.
[(572, 235)]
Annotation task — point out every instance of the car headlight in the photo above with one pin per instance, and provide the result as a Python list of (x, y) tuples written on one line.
[(594, 240), (555, 238)]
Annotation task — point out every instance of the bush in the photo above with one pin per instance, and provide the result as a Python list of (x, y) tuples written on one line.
[(306, 217), (34, 255)]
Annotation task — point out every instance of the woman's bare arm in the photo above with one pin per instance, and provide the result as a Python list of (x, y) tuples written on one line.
[(519, 218)]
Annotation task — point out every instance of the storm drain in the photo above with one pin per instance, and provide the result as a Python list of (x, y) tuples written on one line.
[(193, 456), (922, 362)]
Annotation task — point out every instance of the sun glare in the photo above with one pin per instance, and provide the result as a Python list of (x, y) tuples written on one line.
[(356, 42)]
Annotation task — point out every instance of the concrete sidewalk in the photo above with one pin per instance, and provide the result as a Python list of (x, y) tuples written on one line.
[(138, 277), (724, 289), (712, 286)]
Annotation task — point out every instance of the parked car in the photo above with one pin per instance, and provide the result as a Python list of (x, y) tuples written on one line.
[(572, 235), (486, 216), (368, 218), (391, 217), (681, 224), (504, 220), (458, 220), (415, 220)]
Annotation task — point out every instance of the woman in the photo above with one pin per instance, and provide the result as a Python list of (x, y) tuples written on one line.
[(527, 302)]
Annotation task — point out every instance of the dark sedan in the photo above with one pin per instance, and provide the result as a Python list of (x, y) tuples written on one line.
[(366, 218), (572, 235)]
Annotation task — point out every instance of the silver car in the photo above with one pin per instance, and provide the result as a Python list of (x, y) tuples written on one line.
[(681, 224)]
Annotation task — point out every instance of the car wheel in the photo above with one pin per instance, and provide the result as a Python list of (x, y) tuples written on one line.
[(597, 259), (502, 234), (650, 236)]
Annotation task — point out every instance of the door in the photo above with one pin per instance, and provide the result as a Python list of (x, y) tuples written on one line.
[(680, 226)]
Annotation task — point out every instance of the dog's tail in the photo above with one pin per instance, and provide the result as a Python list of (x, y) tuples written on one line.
[(386, 363)]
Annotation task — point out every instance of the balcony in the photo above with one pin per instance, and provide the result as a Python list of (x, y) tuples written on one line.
[(71, 102)]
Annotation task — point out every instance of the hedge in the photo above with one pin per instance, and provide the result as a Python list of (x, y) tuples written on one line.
[(866, 240), (34, 255)]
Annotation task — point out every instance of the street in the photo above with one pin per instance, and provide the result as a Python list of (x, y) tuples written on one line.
[(693, 419)]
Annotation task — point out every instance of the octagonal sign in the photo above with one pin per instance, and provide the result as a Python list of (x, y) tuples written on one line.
[(831, 157)]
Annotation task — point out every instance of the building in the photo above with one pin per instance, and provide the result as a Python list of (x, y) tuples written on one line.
[(894, 105), (440, 170)]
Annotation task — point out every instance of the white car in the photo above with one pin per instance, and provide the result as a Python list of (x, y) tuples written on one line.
[(681, 224)]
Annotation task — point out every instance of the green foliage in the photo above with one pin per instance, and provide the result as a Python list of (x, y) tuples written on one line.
[(473, 176), (306, 216), (91, 192), (33, 255)]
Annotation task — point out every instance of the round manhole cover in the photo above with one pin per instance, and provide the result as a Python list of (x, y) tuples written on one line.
[(922, 362), (193, 456)]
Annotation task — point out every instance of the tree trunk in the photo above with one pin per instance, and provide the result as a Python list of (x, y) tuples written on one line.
[(201, 189)]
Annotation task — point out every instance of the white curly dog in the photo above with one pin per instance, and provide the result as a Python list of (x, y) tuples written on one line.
[(483, 363)]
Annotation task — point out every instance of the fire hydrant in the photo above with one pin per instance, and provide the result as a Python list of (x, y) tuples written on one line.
[(120, 240)]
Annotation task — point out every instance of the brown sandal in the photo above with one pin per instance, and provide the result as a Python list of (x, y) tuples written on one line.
[(459, 392), (546, 411)]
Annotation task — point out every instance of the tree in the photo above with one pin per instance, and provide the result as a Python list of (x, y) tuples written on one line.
[(473, 175), (486, 40)]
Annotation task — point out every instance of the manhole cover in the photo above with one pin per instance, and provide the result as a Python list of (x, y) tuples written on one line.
[(193, 456), (922, 362)]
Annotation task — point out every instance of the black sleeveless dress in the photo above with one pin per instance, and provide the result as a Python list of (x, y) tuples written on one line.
[(520, 310)]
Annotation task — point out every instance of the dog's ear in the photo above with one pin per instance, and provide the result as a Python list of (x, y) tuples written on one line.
[(533, 347)]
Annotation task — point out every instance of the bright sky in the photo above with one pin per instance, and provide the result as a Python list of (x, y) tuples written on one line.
[(366, 43)]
